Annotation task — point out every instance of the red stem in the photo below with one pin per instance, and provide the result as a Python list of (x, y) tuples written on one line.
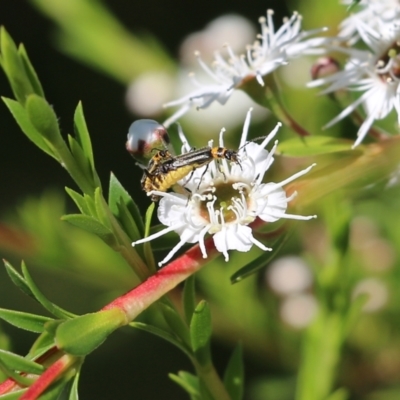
[(157, 285), (47, 378)]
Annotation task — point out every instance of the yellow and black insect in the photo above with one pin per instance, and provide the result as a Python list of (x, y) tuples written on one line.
[(165, 171)]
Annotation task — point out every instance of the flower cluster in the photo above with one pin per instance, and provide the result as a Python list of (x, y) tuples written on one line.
[(272, 50), (373, 73), (225, 199)]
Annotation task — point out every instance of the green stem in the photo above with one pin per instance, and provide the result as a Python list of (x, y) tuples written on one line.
[(212, 381), (320, 356), (269, 96)]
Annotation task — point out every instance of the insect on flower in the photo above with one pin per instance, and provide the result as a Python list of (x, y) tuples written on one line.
[(165, 169), (224, 204)]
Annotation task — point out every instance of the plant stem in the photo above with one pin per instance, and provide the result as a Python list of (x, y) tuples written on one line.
[(157, 285), (213, 382)]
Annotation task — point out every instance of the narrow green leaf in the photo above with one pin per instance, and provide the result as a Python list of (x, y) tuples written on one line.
[(81, 335), (200, 333), (90, 204), (81, 159), (13, 395), (118, 195), (43, 118), (102, 210), (176, 324), (42, 344), (189, 298), (22, 320), (20, 364), (30, 71), (21, 117), (149, 216), (92, 225), (234, 374), (22, 380), (73, 394), (188, 382), (41, 298), (52, 326), (18, 279), (313, 145), (261, 261), (79, 200), (162, 334), (14, 68), (82, 135), (127, 222), (147, 249)]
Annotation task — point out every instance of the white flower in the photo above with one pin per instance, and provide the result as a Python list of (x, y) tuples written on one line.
[(373, 73), (370, 12), (273, 49), (225, 199)]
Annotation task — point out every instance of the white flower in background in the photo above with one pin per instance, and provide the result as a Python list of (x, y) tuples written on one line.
[(225, 199), (272, 50), (373, 73), (370, 12)]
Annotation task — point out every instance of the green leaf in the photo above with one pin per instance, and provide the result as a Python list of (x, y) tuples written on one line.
[(14, 68), (102, 209), (18, 279), (176, 324), (90, 204), (147, 249), (81, 159), (189, 298), (92, 225), (127, 222), (22, 320), (83, 137), (30, 71), (43, 118), (13, 395), (234, 374), (162, 334), (79, 200), (118, 200), (42, 344), (20, 379), (40, 297), (81, 335), (21, 117), (261, 261), (73, 394), (188, 382), (149, 216), (200, 333), (312, 146), (20, 364)]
